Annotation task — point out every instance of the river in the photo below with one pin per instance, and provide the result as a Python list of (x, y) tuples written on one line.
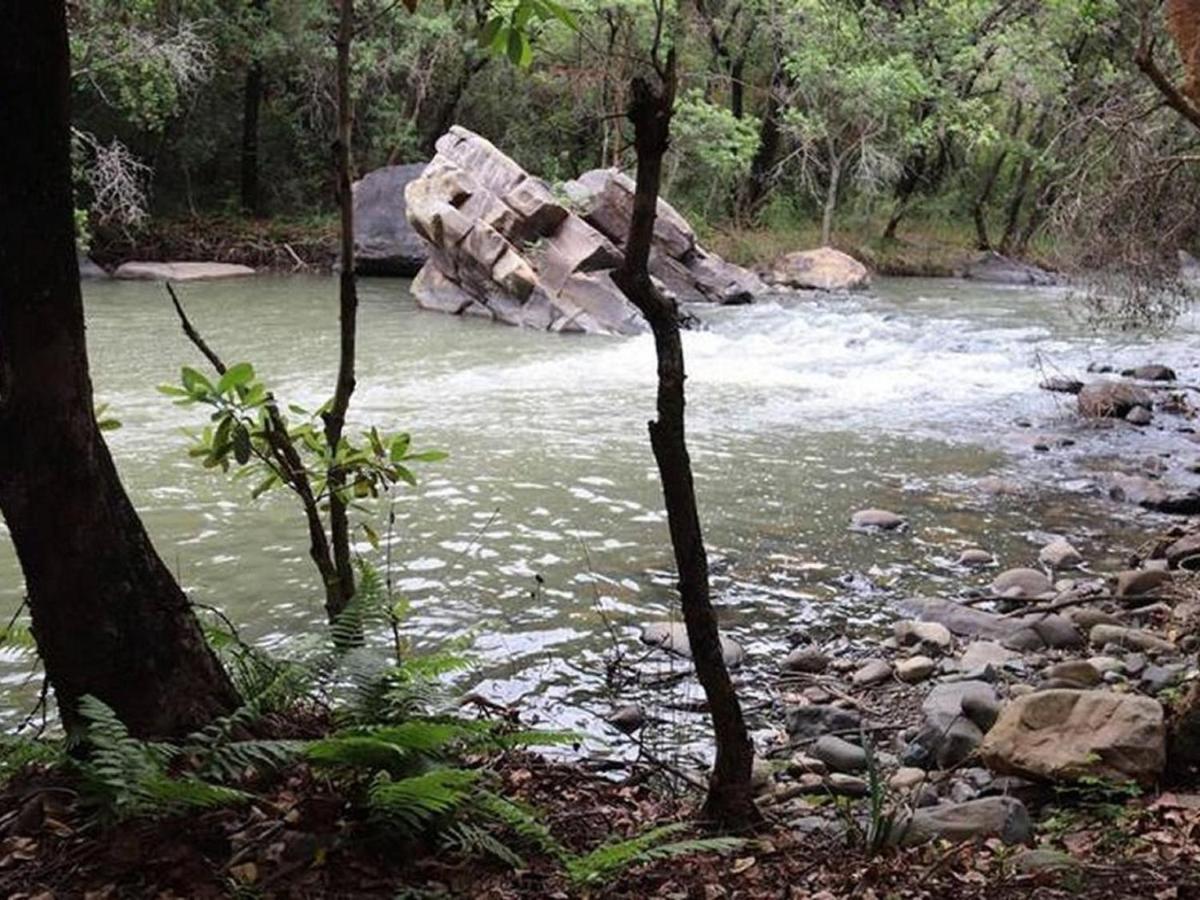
[(542, 536)]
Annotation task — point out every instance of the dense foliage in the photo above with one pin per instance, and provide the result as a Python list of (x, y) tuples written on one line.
[(1015, 119)]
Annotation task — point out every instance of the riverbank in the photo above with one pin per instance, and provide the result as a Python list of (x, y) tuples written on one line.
[(933, 250)]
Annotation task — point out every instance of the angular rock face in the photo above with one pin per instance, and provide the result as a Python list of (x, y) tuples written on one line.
[(823, 269), (1062, 735), (384, 242), (503, 245), (604, 198), (1003, 817)]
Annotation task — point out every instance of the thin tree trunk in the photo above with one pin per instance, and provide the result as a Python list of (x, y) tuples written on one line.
[(1020, 192), (730, 802), (448, 108), (758, 184), (979, 207), (108, 617), (335, 418), (252, 92), (831, 197)]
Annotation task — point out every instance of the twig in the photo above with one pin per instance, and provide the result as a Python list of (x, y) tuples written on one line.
[(193, 335)]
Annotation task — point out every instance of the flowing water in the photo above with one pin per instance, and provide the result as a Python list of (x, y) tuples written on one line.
[(542, 536)]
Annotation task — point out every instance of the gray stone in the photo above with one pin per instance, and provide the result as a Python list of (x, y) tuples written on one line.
[(974, 556), (672, 637), (906, 778), (1181, 551), (948, 735), (877, 520), (384, 242), (996, 269), (840, 755), (1157, 678), (1061, 384), (1139, 415), (806, 659), (179, 271), (915, 669), (1138, 582), (1021, 584), (628, 719), (1151, 372), (1102, 635), (847, 785), (1111, 399), (1059, 554), (1043, 859), (986, 653), (1078, 672), (802, 763), (1000, 817), (809, 722), (932, 637), (873, 671)]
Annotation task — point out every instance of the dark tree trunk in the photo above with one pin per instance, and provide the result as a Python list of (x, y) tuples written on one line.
[(1020, 193), (252, 92), (448, 108), (108, 617), (730, 802), (252, 100), (983, 198), (758, 184), (335, 419)]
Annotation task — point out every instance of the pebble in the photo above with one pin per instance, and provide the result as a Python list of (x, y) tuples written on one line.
[(1021, 584), (877, 520), (840, 755), (930, 636), (1075, 671), (1059, 554), (914, 669), (906, 778), (802, 763), (975, 556), (627, 719), (1139, 415), (806, 659), (847, 785), (873, 671)]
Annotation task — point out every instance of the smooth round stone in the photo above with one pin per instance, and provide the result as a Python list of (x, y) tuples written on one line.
[(806, 659), (628, 718), (874, 671), (1075, 671), (914, 669), (847, 785), (975, 557), (906, 778), (1059, 554), (1021, 584), (877, 519)]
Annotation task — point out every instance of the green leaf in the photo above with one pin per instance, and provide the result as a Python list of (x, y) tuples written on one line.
[(235, 376), (427, 456), (520, 53), (399, 448), (195, 383), (172, 391), (265, 485), (403, 474), (558, 11)]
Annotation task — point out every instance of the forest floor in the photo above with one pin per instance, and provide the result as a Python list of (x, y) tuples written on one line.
[(299, 840)]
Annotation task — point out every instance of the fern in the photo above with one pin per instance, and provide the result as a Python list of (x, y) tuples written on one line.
[(605, 861), (413, 803), (19, 753), (473, 840), (123, 776), (523, 822)]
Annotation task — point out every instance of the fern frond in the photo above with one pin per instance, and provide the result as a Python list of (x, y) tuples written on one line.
[(18, 753), (356, 751), (412, 803), (472, 840), (647, 847), (521, 821)]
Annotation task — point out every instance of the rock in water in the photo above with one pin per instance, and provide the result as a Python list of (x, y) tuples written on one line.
[(1151, 372), (1064, 735), (604, 198), (672, 637), (627, 719), (975, 556), (1062, 384), (1059, 554), (179, 271), (1021, 584), (997, 269), (1111, 399), (88, 270), (384, 242), (877, 520), (823, 269), (504, 246)]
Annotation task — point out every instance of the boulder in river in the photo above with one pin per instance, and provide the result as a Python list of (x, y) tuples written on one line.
[(822, 269), (1021, 584), (1151, 372), (506, 246), (997, 269), (672, 637), (1062, 384), (1111, 399), (1152, 495), (877, 520), (1060, 554), (1064, 735), (89, 270), (179, 271), (384, 242)]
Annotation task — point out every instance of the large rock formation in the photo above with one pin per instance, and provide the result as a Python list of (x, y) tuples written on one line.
[(384, 242), (504, 245), (1063, 735), (996, 269)]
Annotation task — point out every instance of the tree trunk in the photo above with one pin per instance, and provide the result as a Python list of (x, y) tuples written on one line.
[(448, 108), (730, 802), (770, 137), (831, 197), (252, 99), (335, 419), (108, 617), (979, 207)]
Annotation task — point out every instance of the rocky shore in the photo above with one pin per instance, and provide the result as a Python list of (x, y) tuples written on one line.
[(977, 711)]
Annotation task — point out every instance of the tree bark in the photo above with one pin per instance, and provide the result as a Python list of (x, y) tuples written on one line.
[(335, 418), (108, 617), (831, 197), (730, 802), (758, 184)]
